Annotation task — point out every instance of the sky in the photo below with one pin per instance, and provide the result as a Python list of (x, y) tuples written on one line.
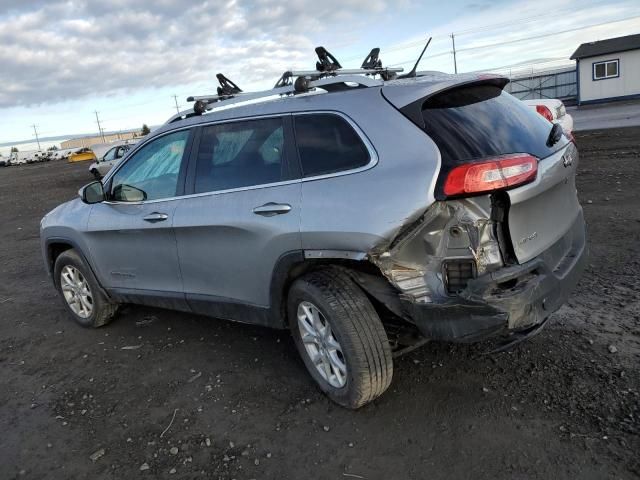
[(62, 60)]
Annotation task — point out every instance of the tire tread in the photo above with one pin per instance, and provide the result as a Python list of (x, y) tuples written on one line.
[(373, 363)]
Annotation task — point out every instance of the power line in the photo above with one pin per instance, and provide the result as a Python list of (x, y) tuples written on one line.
[(414, 43), (534, 37), (508, 42), (436, 55)]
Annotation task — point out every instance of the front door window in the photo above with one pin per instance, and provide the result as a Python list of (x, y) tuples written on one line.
[(152, 172)]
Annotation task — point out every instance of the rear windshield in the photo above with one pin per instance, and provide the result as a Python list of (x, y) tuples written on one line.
[(480, 121)]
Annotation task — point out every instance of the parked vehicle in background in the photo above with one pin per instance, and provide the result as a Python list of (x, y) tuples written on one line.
[(102, 166), (362, 219), (64, 154), (81, 155), (554, 111), (22, 157)]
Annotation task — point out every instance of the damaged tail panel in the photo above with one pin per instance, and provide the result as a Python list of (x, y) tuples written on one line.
[(429, 259), (454, 275)]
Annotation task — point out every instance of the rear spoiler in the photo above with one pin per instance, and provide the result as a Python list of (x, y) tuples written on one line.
[(409, 95)]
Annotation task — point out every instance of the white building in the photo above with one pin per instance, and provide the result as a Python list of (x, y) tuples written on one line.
[(608, 70)]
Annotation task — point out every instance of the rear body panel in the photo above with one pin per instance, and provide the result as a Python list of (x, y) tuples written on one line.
[(543, 211)]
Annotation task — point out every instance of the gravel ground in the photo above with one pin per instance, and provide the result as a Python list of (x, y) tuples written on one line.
[(159, 394)]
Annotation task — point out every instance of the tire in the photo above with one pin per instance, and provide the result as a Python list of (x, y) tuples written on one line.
[(364, 348), (101, 310), (96, 174)]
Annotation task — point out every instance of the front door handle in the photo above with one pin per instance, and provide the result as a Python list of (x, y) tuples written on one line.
[(156, 217), (270, 209)]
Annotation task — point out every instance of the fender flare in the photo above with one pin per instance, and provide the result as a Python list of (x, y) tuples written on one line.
[(50, 263), (281, 276)]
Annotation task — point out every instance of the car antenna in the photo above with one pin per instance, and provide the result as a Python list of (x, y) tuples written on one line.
[(412, 73)]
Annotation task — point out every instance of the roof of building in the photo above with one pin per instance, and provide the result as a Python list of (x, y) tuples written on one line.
[(611, 45)]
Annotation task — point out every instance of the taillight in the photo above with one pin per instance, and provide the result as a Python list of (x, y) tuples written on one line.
[(495, 174), (545, 112)]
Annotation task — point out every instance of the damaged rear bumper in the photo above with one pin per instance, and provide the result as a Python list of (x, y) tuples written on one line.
[(511, 299)]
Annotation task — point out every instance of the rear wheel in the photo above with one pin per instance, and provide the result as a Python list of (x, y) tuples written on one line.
[(80, 291), (340, 337)]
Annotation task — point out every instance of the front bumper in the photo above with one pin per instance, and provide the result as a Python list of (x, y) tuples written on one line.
[(512, 299)]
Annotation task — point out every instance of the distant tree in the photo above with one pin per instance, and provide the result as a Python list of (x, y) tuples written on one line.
[(145, 130), (52, 148), (14, 149)]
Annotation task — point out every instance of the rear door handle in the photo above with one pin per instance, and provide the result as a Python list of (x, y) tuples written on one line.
[(270, 209), (156, 217)]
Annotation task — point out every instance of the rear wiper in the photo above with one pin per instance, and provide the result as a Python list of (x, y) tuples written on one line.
[(555, 135)]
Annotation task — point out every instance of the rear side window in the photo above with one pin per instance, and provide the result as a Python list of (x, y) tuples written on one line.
[(240, 154), (481, 121), (328, 144)]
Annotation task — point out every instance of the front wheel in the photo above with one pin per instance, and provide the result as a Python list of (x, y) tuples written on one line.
[(80, 291), (96, 174), (340, 337)]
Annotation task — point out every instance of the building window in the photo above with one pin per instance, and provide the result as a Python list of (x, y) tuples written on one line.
[(608, 69)]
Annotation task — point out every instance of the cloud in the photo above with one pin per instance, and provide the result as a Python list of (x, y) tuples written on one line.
[(52, 51)]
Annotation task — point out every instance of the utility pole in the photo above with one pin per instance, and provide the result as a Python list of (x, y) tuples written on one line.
[(453, 42), (37, 139), (99, 127), (175, 97)]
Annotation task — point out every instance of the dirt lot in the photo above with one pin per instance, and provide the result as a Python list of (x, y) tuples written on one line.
[(564, 405)]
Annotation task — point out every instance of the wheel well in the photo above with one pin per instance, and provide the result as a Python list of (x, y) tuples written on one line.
[(54, 250), (299, 267)]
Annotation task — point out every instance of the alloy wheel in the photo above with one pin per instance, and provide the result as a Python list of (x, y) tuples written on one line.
[(76, 291), (321, 345)]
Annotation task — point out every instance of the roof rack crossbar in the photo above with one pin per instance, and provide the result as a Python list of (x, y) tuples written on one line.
[(205, 103), (328, 72), (344, 71)]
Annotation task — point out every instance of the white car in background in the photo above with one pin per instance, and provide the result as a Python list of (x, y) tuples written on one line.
[(553, 110), (105, 163)]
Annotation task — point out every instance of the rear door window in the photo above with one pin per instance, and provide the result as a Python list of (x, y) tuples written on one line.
[(240, 154), (327, 143), (482, 121)]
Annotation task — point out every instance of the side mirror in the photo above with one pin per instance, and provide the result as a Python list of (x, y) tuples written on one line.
[(92, 193)]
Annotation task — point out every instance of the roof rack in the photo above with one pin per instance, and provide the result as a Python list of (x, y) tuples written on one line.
[(328, 73)]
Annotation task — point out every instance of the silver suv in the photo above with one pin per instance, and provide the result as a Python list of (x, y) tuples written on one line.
[(364, 215)]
